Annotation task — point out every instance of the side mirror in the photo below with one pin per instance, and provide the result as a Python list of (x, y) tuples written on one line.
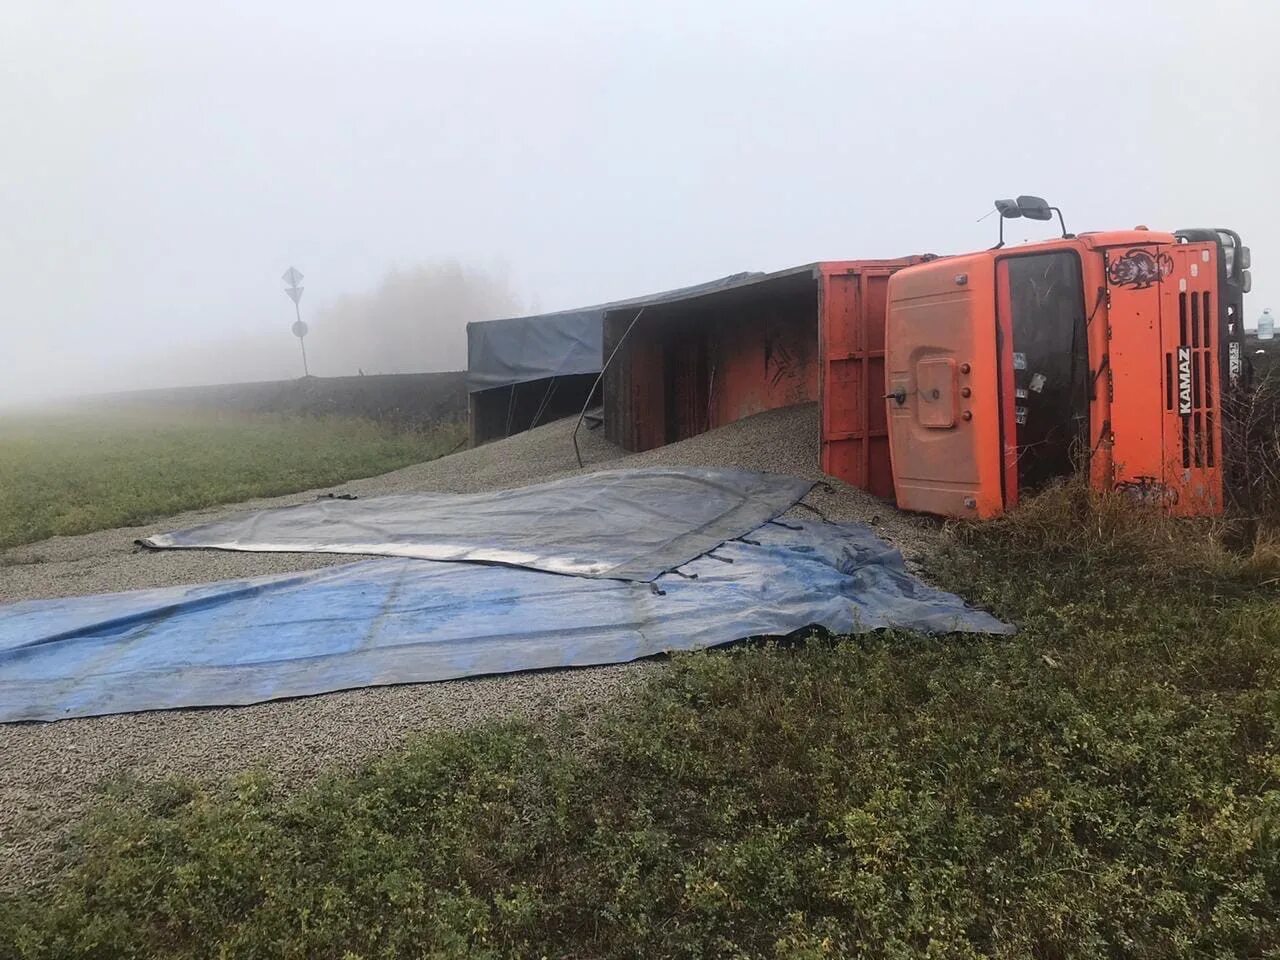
[(1008, 209), (1246, 281), (1034, 208)]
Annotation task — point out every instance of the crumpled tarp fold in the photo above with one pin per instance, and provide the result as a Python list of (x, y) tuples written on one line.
[(620, 524), (389, 621)]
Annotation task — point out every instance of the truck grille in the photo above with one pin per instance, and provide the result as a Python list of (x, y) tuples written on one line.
[(1189, 378)]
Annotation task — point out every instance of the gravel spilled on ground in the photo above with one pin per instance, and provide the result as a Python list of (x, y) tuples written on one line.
[(48, 771)]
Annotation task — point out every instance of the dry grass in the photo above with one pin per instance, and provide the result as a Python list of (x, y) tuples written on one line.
[(1104, 784), (1069, 518), (1252, 444)]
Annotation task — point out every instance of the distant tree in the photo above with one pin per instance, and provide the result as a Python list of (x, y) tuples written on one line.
[(413, 321)]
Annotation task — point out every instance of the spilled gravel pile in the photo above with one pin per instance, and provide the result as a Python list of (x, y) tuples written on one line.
[(47, 771), (779, 441)]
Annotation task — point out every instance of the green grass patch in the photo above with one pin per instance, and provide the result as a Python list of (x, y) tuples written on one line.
[(74, 473), (1107, 783)]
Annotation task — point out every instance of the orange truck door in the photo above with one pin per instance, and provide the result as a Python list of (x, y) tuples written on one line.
[(942, 379), (1044, 367)]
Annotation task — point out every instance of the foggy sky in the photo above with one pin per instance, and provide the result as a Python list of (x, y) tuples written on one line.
[(162, 163)]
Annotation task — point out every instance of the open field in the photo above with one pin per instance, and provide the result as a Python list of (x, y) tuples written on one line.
[(1106, 783), (411, 400), (78, 471)]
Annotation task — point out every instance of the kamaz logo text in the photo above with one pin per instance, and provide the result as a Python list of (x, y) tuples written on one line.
[(1184, 381)]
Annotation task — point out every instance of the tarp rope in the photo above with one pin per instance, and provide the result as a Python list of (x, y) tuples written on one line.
[(511, 410), (546, 400)]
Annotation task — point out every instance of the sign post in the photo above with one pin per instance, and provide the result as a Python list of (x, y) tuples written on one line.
[(291, 278)]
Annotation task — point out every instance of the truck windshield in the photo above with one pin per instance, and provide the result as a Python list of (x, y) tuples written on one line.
[(1050, 364)]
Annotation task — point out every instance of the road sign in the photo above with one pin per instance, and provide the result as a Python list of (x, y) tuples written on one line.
[(292, 277)]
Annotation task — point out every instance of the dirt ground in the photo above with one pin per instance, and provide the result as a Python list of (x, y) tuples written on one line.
[(48, 771)]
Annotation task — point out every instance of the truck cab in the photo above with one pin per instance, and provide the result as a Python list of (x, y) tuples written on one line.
[(1109, 352)]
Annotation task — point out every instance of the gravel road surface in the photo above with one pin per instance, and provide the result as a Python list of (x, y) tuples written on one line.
[(48, 771)]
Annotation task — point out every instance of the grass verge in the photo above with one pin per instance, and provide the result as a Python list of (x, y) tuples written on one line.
[(74, 473), (1107, 783)]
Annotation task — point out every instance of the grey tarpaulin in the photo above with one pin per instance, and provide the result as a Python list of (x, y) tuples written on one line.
[(621, 524), (389, 621), (522, 349)]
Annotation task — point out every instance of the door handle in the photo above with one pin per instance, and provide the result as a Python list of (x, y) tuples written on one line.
[(900, 395)]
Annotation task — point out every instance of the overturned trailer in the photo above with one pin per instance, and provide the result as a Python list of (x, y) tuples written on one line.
[(959, 384), (523, 371), (709, 357)]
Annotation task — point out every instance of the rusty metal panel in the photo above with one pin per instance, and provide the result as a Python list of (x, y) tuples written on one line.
[(634, 390), (800, 335), (852, 309), (691, 365), (763, 357), (688, 385), (615, 382)]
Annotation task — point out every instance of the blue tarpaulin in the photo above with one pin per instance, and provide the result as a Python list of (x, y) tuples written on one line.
[(390, 621)]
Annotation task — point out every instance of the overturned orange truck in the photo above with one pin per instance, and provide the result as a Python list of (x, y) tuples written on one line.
[(957, 384)]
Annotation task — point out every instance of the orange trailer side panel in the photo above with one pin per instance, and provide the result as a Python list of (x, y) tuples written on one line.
[(853, 298), (760, 359)]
